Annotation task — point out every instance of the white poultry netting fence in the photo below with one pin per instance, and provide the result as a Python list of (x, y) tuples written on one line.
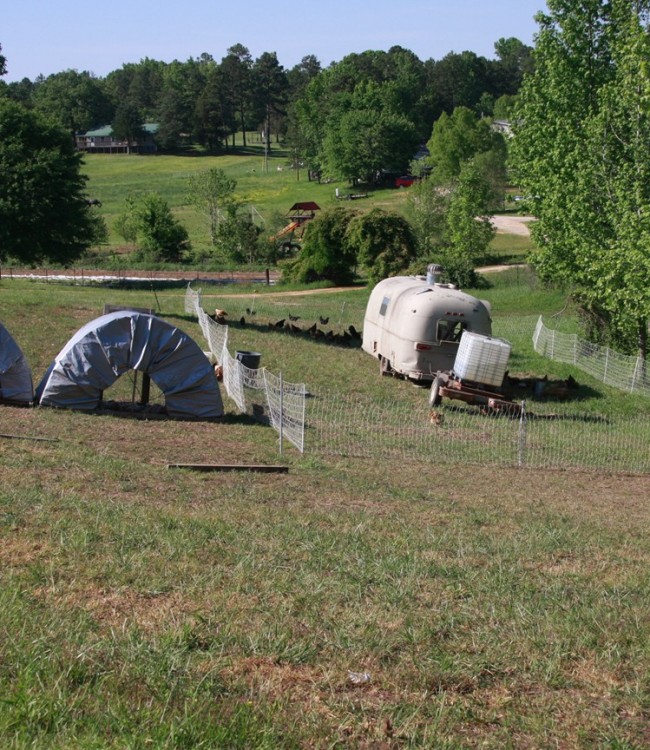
[(255, 391), (609, 367), (541, 436)]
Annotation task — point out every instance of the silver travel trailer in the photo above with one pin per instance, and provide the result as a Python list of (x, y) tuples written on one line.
[(413, 324)]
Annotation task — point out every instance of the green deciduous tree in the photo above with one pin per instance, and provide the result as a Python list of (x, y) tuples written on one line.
[(43, 212), (426, 210), (362, 142), (140, 84), (504, 107), (238, 236), (326, 254), (451, 223), (149, 222), (77, 101), (455, 139), (580, 152), (127, 124), (363, 114), (460, 79), (469, 230), (385, 243), (212, 192)]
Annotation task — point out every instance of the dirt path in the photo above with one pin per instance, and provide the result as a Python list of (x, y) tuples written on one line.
[(513, 225), (327, 290)]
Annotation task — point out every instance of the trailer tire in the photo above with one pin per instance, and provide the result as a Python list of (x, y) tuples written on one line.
[(435, 399), (384, 366)]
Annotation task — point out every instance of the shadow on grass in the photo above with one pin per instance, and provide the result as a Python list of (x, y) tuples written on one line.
[(187, 318), (239, 150), (530, 414), (320, 333)]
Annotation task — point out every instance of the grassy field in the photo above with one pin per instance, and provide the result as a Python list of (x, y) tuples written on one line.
[(268, 187), (348, 603)]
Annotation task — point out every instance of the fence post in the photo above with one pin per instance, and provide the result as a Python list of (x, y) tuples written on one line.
[(575, 348), (536, 333), (634, 374), (606, 364), (281, 410), (521, 440)]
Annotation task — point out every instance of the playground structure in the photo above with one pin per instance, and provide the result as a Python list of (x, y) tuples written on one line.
[(298, 216)]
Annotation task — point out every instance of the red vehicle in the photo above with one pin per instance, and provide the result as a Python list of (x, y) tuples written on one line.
[(404, 181)]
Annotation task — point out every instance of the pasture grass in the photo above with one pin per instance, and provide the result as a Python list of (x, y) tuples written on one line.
[(268, 188), (348, 603), (43, 316), (507, 248), (142, 608)]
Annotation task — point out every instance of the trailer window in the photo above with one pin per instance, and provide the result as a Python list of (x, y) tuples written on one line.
[(384, 305), (450, 330)]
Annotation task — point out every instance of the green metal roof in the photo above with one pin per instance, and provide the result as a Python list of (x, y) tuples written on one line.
[(107, 131)]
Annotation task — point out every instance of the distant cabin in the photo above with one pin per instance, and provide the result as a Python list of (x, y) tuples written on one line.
[(101, 141)]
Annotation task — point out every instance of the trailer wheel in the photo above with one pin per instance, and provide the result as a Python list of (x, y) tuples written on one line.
[(384, 366), (435, 399)]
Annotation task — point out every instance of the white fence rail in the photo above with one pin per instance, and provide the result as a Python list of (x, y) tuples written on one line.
[(616, 370)]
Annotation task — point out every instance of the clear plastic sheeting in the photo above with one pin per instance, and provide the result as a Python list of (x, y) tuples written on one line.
[(15, 375), (104, 349)]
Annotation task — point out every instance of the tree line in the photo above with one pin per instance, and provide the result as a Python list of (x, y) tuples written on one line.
[(359, 119), (368, 109)]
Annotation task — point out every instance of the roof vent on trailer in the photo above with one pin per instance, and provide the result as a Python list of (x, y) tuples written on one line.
[(433, 273)]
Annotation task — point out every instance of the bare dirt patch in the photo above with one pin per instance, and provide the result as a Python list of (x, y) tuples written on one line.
[(124, 607), (17, 551)]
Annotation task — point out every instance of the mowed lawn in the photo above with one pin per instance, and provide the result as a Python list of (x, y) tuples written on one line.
[(347, 603)]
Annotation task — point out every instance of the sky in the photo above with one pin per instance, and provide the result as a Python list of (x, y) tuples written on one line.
[(41, 37)]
